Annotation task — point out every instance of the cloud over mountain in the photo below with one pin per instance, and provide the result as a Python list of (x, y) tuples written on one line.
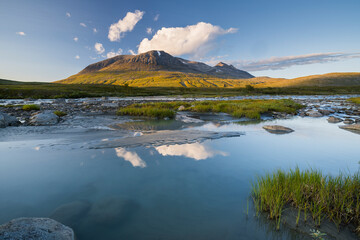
[(99, 48), (127, 24), (183, 40)]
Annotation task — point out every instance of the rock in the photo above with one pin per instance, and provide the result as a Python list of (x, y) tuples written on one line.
[(277, 129), (181, 108), (353, 127), (44, 119), (35, 228), (71, 213), (313, 113), (348, 121), (333, 119), (7, 120)]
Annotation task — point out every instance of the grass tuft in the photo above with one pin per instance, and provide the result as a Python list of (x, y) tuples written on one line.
[(355, 100), (60, 113), (336, 198), (30, 107)]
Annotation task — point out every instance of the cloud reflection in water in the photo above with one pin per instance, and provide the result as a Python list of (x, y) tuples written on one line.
[(196, 151), (131, 157)]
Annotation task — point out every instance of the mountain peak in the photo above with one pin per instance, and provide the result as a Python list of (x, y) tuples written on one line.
[(158, 60)]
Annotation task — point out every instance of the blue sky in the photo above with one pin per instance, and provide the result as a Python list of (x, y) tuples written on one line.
[(267, 38)]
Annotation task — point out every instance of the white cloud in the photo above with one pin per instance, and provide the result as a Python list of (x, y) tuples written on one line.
[(156, 17), (276, 63), (195, 151), (127, 24), (132, 52), (83, 24), (113, 54), (191, 39), (68, 14), (131, 157), (21, 33), (77, 57), (95, 30), (99, 48), (149, 30), (76, 39)]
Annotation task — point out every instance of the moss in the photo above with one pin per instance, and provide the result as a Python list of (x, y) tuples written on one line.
[(30, 107), (60, 113)]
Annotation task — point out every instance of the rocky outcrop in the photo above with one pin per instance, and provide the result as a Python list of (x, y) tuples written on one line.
[(277, 129), (7, 120), (35, 228), (44, 119)]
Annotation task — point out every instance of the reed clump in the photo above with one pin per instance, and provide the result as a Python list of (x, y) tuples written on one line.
[(320, 196), (237, 108)]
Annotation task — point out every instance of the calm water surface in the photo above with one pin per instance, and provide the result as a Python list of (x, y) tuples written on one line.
[(184, 191)]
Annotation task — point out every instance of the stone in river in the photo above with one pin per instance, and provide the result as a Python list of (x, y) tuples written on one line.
[(35, 228), (353, 127), (277, 129), (313, 113), (333, 119)]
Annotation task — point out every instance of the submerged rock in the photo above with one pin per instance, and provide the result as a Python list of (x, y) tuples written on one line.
[(71, 213), (7, 120), (333, 119), (44, 119), (35, 228), (277, 129), (112, 211)]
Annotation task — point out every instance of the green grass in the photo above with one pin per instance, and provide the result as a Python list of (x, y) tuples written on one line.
[(147, 112), (60, 113), (236, 108), (355, 100), (317, 195), (30, 107)]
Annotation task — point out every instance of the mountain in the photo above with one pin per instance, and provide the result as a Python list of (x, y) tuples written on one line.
[(154, 65), (160, 69)]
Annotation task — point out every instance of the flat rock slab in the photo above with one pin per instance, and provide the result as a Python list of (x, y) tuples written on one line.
[(35, 228), (165, 137), (354, 127), (277, 129)]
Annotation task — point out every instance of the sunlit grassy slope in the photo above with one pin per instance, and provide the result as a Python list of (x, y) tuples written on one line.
[(190, 80)]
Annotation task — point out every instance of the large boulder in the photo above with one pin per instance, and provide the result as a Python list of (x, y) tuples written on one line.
[(35, 228), (277, 129), (44, 119), (7, 120)]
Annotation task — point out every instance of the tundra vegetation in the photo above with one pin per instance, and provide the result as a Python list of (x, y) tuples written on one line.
[(312, 193), (355, 100), (237, 108), (30, 107)]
